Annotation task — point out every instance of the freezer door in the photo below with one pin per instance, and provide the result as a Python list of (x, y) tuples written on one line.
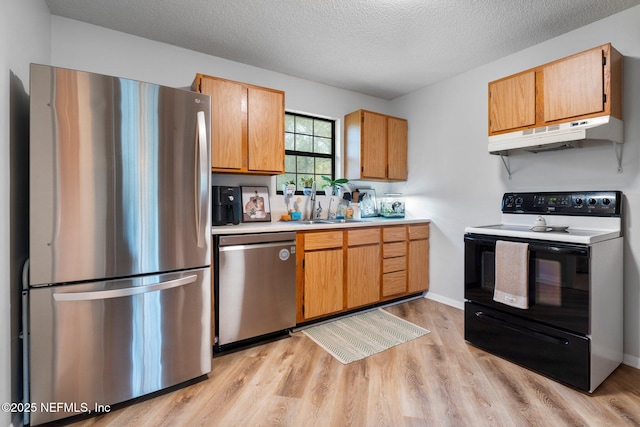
[(119, 177), (107, 342)]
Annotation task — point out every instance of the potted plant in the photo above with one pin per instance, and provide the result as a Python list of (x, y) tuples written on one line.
[(307, 182), (289, 187), (332, 187)]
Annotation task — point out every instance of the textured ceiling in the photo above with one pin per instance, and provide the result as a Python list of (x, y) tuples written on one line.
[(384, 48)]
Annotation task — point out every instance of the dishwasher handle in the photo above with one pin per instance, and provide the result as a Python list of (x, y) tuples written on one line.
[(252, 239), (283, 245)]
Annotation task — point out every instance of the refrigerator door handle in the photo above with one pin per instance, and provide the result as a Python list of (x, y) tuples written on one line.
[(202, 169), (116, 293)]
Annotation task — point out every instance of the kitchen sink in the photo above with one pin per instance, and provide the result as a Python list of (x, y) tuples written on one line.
[(343, 221), (329, 221)]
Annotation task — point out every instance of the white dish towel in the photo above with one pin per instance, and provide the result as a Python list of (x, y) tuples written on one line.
[(512, 274)]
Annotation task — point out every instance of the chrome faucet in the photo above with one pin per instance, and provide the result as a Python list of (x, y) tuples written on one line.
[(329, 210), (313, 201)]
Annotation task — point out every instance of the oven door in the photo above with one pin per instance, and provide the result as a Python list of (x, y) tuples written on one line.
[(558, 280)]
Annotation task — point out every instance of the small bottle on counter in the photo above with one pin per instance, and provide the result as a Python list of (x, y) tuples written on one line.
[(349, 213), (356, 211)]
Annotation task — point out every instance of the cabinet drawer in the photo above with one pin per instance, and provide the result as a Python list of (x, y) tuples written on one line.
[(419, 231), (394, 234), (394, 283), (390, 250), (366, 236), (390, 265), (323, 240)]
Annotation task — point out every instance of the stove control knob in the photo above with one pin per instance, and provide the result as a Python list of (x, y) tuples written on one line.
[(592, 201), (606, 201), (519, 201), (579, 201)]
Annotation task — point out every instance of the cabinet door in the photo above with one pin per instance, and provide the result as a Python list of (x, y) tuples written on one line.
[(323, 282), (363, 275), (574, 86), (374, 145), (266, 130), (228, 122), (418, 266), (397, 138), (512, 102)]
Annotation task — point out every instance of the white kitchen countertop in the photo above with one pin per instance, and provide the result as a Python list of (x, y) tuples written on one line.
[(272, 227)]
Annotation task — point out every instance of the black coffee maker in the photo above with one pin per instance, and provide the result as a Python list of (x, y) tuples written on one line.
[(226, 205)]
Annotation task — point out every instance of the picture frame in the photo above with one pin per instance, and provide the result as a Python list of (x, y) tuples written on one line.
[(255, 204), (368, 203)]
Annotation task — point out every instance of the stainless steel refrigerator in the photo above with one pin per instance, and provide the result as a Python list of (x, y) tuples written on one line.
[(119, 297)]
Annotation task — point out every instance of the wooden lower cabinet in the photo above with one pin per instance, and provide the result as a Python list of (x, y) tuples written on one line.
[(320, 275), (363, 267), (418, 266), (418, 262), (341, 270), (323, 284)]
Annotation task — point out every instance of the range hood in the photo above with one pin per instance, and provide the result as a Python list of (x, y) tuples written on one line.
[(558, 136)]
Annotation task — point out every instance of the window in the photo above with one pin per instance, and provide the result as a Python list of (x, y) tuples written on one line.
[(309, 144)]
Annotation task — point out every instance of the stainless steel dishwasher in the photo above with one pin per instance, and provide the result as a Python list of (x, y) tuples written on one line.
[(255, 287)]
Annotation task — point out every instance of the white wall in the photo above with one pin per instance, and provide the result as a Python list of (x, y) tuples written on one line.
[(462, 184), (87, 47), (24, 38)]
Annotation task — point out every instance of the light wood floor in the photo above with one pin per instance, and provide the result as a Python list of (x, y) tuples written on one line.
[(435, 380)]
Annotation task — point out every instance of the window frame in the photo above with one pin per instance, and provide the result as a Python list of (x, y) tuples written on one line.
[(331, 156)]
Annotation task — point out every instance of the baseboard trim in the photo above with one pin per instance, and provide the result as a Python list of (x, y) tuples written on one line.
[(445, 300), (633, 361)]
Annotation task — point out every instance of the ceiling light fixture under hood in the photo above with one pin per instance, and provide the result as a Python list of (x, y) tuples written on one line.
[(558, 136)]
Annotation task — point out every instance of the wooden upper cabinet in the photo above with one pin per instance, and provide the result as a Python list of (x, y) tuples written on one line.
[(229, 113), (375, 146), (266, 130), (574, 87), (512, 102), (587, 84), (247, 126), (397, 137)]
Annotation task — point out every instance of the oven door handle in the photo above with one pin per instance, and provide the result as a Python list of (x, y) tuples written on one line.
[(559, 250), (527, 331), (552, 248)]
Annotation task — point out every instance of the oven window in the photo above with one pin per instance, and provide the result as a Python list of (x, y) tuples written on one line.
[(548, 282), (488, 275), (550, 274)]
